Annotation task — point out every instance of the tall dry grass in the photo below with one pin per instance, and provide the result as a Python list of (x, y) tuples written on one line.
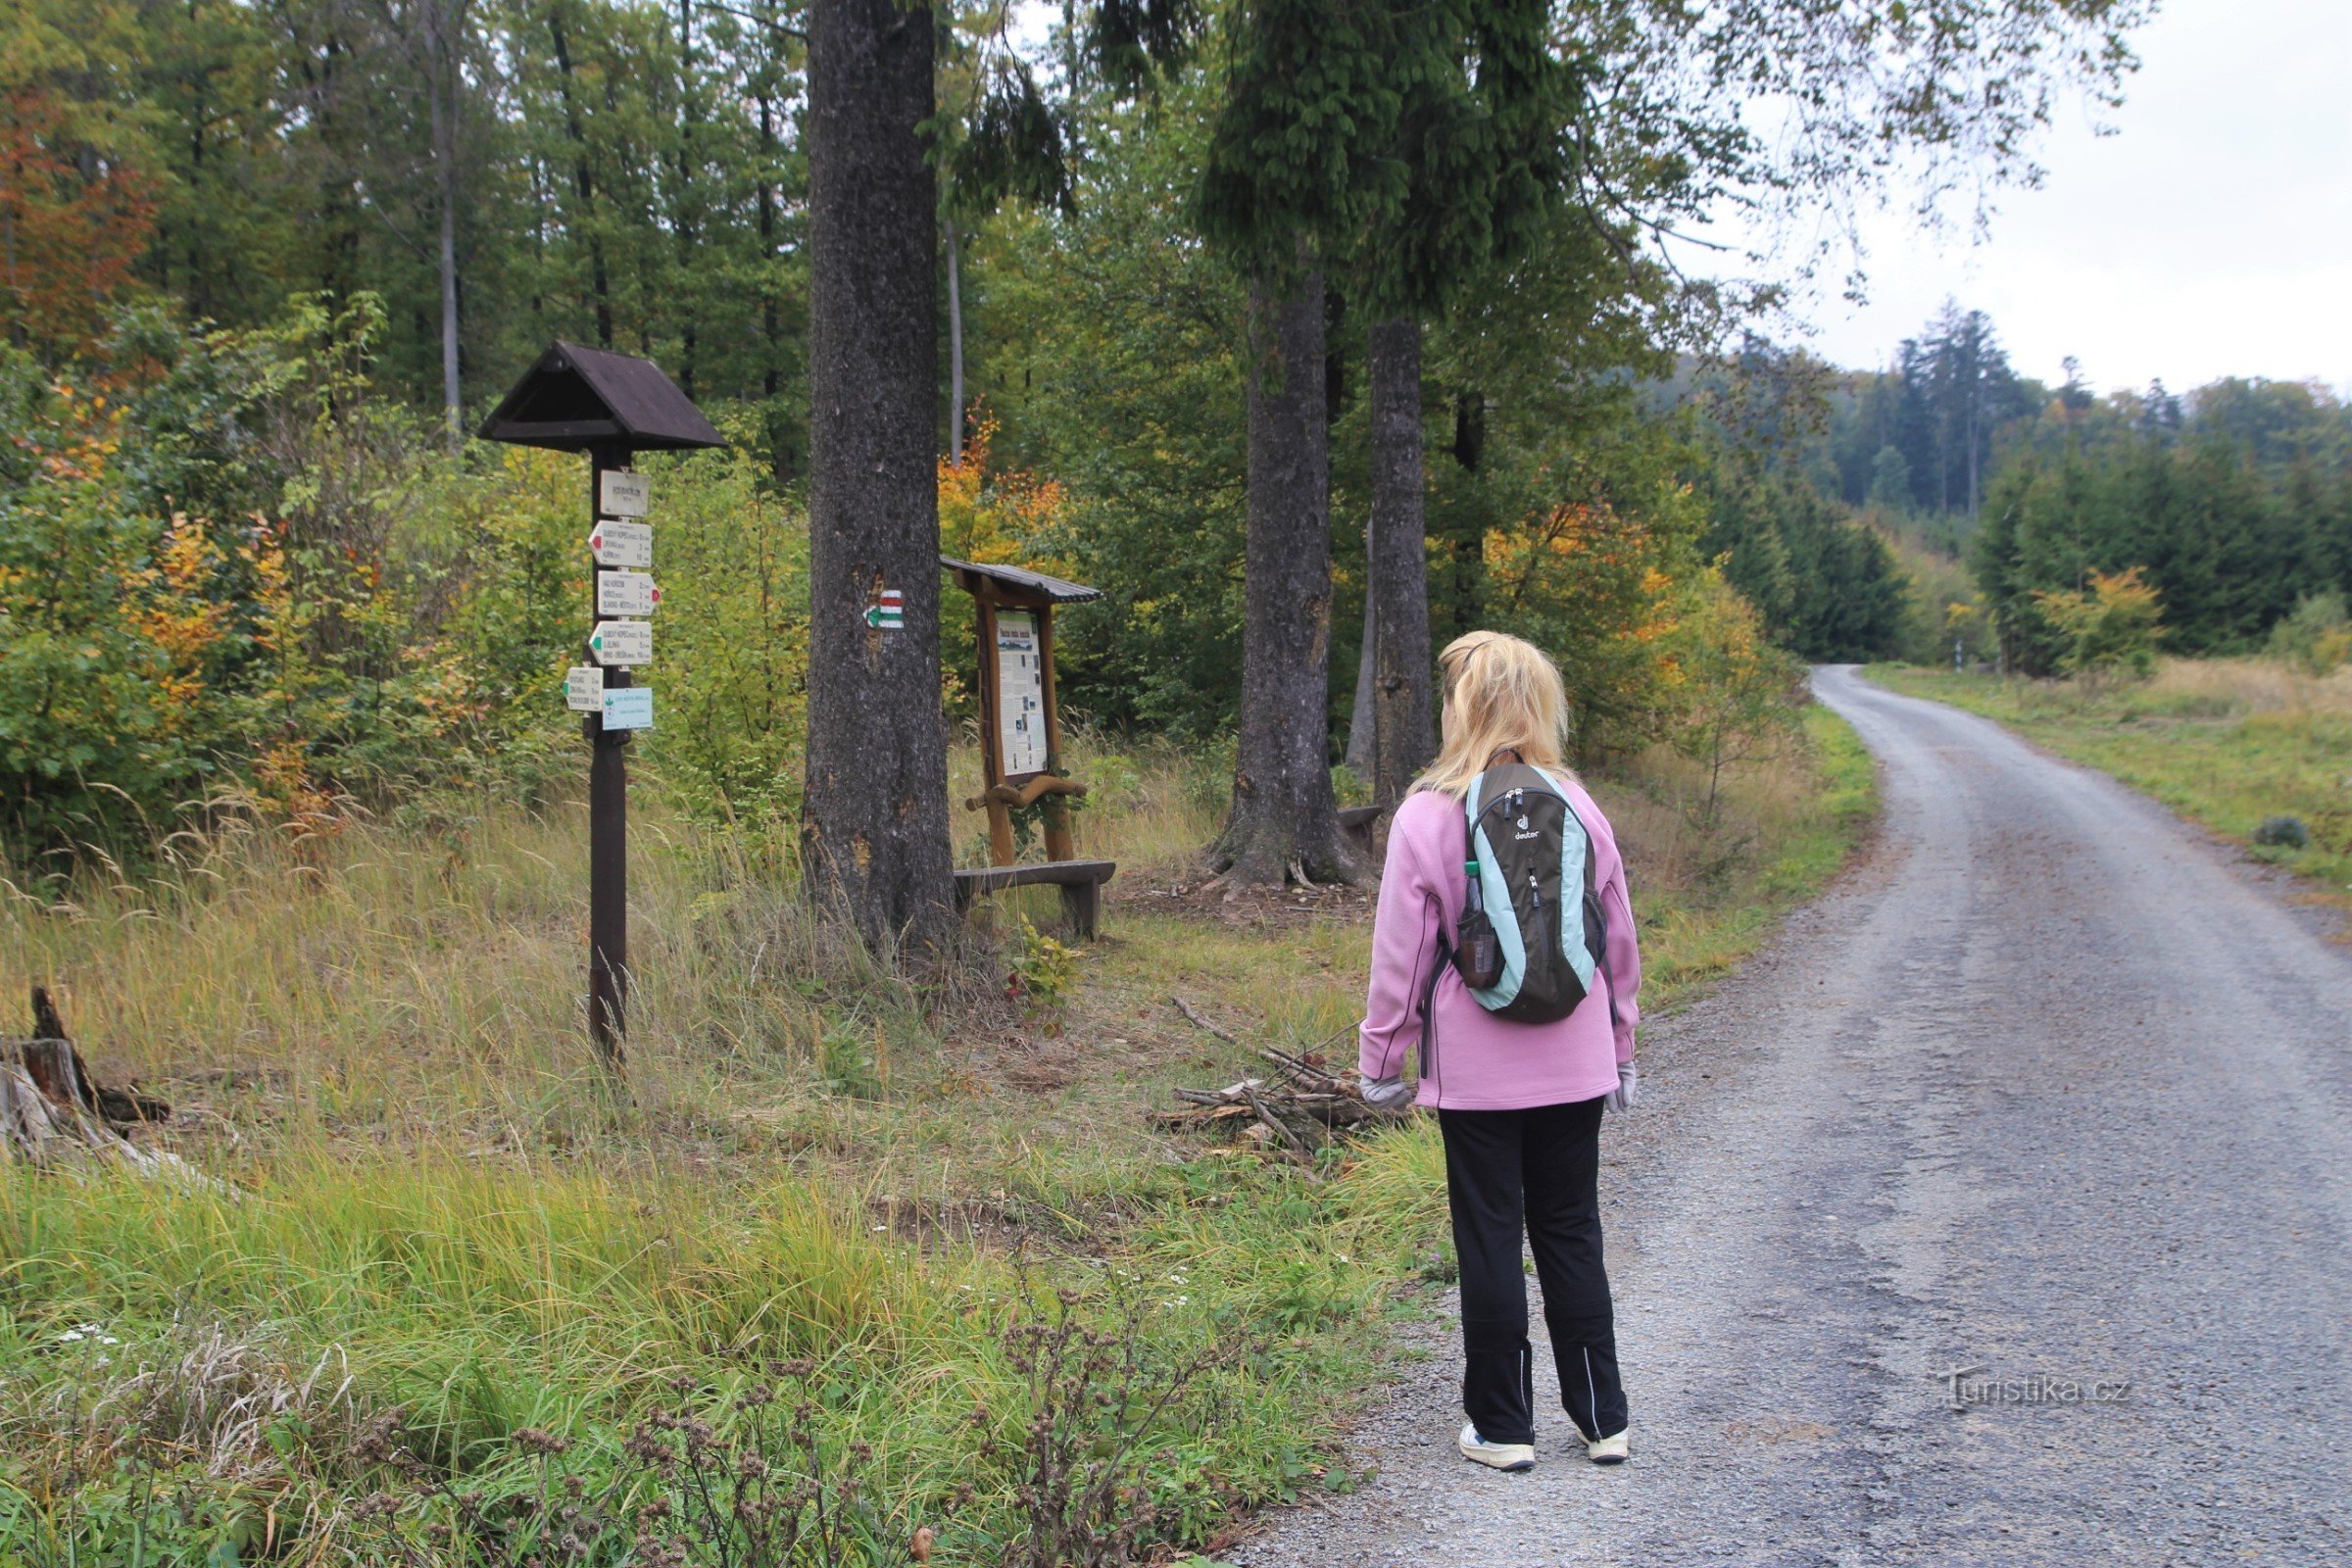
[(374, 1036), (1148, 802), (2233, 688), (400, 983)]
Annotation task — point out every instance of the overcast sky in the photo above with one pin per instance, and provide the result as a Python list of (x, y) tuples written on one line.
[(2211, 235)]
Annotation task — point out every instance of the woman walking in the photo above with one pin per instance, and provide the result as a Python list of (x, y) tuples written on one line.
[(1503, 959)]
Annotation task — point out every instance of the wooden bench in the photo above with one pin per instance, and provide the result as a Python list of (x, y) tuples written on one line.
[(1081, 883)]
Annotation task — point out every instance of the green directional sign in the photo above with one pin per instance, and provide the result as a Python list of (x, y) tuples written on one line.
[(584, 689), (623, 643)]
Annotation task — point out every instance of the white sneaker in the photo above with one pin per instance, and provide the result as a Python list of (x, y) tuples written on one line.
[(1499, 1456), (1606, 1450)]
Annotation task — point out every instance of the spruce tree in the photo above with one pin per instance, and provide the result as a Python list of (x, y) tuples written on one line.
[(1295, 172), (874, 821), (1480, 136)]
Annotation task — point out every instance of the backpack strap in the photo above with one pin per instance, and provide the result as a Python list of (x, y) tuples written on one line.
[(1429, 1000), (1600, 959)]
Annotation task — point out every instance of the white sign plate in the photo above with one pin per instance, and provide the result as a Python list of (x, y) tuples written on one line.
[(623, 544), (628, 644), (1020, 694), (584, 688), (623, 495), (626, 592), (629, 708)]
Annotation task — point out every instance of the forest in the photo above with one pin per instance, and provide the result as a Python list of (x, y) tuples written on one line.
[(1311, 334), (265, 261)]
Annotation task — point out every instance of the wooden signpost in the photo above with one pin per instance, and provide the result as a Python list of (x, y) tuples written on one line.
[(612, 407), (1020, 736)]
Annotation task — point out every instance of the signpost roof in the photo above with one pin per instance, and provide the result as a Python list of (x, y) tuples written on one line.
[(1017, 585), (575, 398)]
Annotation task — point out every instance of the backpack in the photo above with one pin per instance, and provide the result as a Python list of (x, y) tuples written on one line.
[(1533, 933)]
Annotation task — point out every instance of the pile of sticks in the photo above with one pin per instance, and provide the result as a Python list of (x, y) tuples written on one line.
[(1297, 1106)]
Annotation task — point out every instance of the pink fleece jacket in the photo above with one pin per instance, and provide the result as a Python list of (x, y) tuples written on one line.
[(1477, 1060)]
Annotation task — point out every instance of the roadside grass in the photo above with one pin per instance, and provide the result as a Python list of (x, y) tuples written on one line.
[(430, 1203), (2227, 743)]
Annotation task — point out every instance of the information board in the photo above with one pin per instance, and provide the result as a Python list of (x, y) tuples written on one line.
[(623, 495), (1020, 695), (629, 708)]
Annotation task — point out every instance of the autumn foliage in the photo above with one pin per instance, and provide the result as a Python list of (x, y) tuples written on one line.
[(74, 220)]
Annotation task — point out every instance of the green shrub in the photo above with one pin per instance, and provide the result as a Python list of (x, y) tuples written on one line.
[(2316, 638)]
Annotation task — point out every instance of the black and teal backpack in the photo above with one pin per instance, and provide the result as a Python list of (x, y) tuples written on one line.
[(1533, 932)]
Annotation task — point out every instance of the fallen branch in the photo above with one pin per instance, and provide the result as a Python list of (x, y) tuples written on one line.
[(1281, 1129), (1303, 1071), (1200, 1022)]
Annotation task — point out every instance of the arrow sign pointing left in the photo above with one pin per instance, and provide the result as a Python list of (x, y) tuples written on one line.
[(623, 544), (626, 644)]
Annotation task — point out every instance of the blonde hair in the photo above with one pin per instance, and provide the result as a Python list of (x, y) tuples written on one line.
[(1501, 692)]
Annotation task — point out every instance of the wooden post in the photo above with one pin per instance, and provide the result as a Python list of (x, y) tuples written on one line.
[(1060, 843), (610, 407), (608, 828)]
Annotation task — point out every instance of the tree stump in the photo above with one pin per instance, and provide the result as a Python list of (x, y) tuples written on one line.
[(51, 1110)]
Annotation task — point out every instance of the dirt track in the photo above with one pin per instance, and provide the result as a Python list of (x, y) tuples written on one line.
[(2049, 1088)]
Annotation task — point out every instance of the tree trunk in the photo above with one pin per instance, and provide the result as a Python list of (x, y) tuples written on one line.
[(1468, 550), (1285, 816), (441, 88), (955, 346), (688, 220), (1403, 730), (583, 184), (874, 822), (770, 317), (1359, 713)]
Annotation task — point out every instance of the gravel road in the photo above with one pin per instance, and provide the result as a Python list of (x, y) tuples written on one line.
[(2050, 1087)]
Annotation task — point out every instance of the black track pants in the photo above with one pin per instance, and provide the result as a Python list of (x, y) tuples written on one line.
[(1536, 1172)]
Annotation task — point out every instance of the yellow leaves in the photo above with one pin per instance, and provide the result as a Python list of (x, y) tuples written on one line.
[(188, 556), (997, 517), (283, 786), (175, 610), (2116, 621)]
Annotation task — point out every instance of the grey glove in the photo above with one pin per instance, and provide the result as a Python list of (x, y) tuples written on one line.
[(1387, 1093), (1627, 1083)]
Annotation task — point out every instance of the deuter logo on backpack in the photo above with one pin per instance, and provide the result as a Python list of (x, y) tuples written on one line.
[(1533, 935)]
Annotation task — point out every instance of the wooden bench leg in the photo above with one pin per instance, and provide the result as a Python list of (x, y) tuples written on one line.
[(1081, 903)]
